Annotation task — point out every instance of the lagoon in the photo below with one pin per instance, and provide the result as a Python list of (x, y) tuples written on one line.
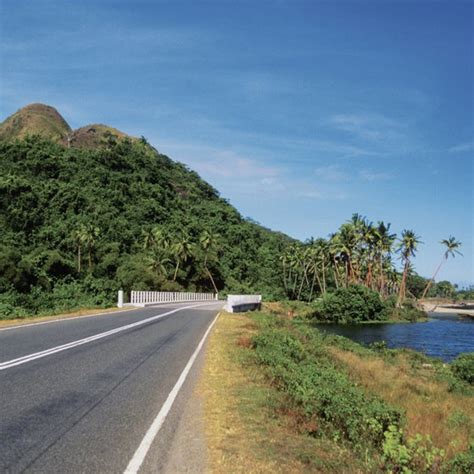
[(444, 335)]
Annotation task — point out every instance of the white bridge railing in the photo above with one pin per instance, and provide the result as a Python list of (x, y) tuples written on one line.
[(142, 298)]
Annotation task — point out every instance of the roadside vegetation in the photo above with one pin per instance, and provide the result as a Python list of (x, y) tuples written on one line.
[(84, 213), (78, 224), (342, 406)]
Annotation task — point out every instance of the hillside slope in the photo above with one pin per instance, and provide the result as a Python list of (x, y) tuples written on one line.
[(77, 224), (35, 119), (47, 122)]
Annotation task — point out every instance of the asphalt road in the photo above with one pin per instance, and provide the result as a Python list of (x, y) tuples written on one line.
[(79, 395)]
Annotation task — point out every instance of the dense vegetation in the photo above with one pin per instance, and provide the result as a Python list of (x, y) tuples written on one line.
[(396, 410), (77, 224), (355, 265), (85, 212)]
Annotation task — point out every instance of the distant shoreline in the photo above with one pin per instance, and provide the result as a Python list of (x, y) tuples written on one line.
[(462, 309)]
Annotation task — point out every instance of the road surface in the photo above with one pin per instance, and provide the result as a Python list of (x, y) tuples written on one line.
[(80, 395)]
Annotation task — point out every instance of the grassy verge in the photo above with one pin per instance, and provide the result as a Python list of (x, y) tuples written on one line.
[(249, 427), (283, 397)]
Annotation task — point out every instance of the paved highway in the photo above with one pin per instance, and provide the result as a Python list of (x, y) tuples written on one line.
[(96, 394)]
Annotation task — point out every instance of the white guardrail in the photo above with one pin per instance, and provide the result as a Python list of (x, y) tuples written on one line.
[(237, 303), (144, 298)]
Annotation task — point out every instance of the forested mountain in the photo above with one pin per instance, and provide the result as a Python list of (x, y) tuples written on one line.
[(86, 212)]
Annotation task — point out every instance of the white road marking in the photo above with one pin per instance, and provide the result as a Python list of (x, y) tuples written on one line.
[(140, 454), (53, 350), (20, 326)]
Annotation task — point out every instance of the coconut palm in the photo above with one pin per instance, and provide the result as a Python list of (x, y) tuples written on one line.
[(407, 248), (384, 241), (85, 236), (80, 236), (209, 243), (452, 246), (182, 251)]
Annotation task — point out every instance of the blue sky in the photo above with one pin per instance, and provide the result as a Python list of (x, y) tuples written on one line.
[(299, 112)]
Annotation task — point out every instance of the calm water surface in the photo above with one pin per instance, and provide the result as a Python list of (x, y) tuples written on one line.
[(444, 335)]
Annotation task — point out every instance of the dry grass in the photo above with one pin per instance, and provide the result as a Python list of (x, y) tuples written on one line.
[(38, 319), (248, 428), (431, 410)]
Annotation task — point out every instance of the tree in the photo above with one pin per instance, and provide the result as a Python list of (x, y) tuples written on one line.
[(452, 246), (407, 248), (79, 236), (90, 234), (182, 250), (209, 243)]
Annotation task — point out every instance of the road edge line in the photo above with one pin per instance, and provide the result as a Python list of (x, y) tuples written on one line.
[(140, 454)]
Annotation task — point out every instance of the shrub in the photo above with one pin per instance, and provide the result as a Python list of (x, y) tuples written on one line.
[(414, 455), (316, 386), (463, 367), (353, 304)]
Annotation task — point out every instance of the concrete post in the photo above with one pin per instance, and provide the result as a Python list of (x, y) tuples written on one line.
[(120, 299)]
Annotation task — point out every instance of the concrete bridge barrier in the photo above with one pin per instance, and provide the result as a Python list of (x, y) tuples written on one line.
[(239, 303), (147, 298)]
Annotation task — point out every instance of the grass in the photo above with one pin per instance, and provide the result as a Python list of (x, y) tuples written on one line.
[(249, 427), (429, 406), (256, 423)]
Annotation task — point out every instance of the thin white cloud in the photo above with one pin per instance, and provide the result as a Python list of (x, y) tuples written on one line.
[(462, 147), (368, 175), (370, 127), (331, 173)]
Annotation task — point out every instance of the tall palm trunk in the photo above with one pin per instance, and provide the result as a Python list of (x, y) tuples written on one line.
[(382, 281), (79, 258), (324, 279), (428, 286), (176, 270), (402, 291)]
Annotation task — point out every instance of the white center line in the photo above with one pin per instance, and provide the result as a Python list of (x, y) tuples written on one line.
[(70, 345), (140, 454)]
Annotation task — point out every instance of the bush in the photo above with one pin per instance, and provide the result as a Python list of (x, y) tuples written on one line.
[(354, 304), (463, 367), (462, 463), (317, 387)]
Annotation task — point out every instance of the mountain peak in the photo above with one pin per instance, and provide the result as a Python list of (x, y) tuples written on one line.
[(44, 120), (35, 119)]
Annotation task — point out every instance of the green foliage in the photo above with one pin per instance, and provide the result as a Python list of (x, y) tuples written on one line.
[(320, 389), (353, 304), (416, 455), (462, 463), (463, 367), (73, 216)]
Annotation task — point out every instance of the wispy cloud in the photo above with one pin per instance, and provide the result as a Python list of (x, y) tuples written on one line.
[(336, 174), (370, 127), (331, 173), (462, 147), (368, 175)]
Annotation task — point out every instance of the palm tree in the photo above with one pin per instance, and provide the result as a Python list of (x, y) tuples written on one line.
[(209, 243), (90, 234), (182, 250), (80, 236), (157, 261), (452, 246), (407, 248), (383, 247)]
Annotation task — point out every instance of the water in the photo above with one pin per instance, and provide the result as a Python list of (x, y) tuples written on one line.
[(444, 336)]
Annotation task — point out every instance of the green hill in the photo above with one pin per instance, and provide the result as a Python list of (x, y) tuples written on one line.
[(80, 221), (35, 119)]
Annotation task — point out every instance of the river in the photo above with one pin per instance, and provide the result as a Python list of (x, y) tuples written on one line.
[(444, 335)]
